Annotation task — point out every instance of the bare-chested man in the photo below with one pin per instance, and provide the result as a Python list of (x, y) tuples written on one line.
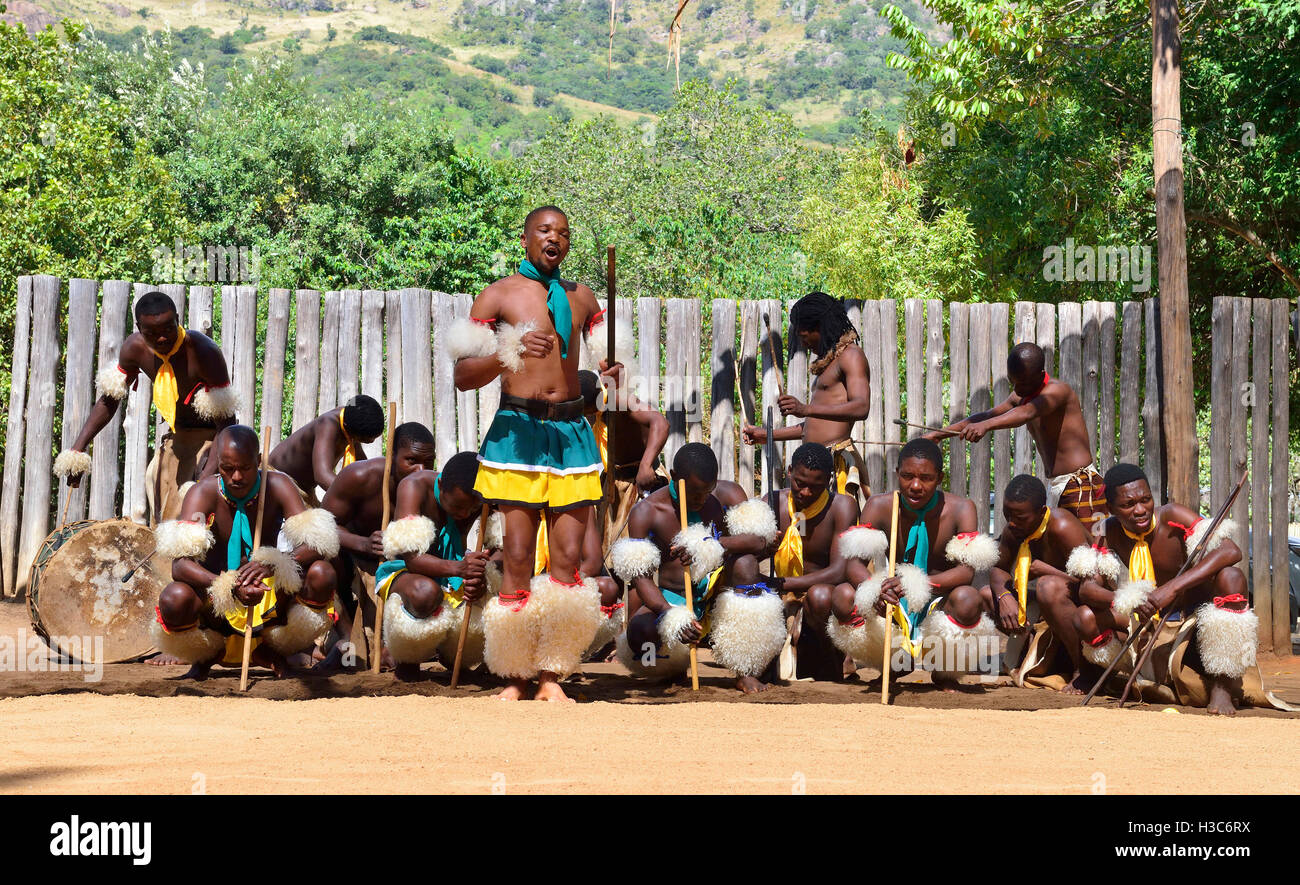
[(191, 390), (538, 460), (743, 618), (355, 498), (1050, 409), (1033, 556), (811, 515), (429, 574), (1148, 545), (841, 392), (217, 574), (940, 551), (311, 454)]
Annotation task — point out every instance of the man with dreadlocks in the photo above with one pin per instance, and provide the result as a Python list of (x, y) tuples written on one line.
[(841, 393)]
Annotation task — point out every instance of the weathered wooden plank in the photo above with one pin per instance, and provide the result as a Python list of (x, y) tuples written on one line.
[(1238, 437), (445, 395), (105, 469), (999, 331), (38, 447), (875, 423), (1090, 396), (393, 357), (14, 435), (723, 390), (1261, 580), (77, 384), (1070, 344), (1282, 622), (1153, 447), (934, 362), (959, 372), (797, 380), (772, 375), (853, 307), (1220, 399), (1106, 420), (1045, 337), (228, 323), (889, 367), (913, 322), (137, 426), (331, 319), (1025, 318), (647, 385), (674, 386), (981, 398), (466, 402), (694, 398), (1130, 381), (372, 357), (246, 369), (747, 370), (417, 359), (349, 353), (200, 309), (276, 342), (306, 354)]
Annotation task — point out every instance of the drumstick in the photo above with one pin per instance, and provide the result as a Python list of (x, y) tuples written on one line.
[(889, 609), (257, 542), (378, 651), (771, 353), (686, 579), (901, 423), (67, 499), (469, 603)]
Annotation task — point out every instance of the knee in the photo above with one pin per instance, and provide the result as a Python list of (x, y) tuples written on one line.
[(817, 601), (319, 582), (842, 599), (520, 547), (608, 590), (421, 596), (963, 604), (1051, 590), (642, 630), (1085, 622), (1230, 580), (179, 604), (744, 570)]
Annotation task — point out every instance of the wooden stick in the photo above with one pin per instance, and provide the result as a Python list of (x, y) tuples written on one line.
[(889, 609), (771, 352), (901, 423), (67, 499), (378, 651), (469, 604), (611, 414), (882, 442), (257, 541), (686, 579)]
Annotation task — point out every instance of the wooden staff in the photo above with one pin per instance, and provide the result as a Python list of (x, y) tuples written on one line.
[(771, 353), (67, 499), (611, 316), (378, 651), (889, 608), (686, 579), (469, 604), (257, 542), (901, 423)]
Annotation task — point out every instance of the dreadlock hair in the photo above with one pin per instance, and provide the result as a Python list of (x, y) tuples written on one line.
[(819, 312)]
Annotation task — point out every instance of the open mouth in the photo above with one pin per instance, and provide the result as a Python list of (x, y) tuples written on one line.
[(551, 251)]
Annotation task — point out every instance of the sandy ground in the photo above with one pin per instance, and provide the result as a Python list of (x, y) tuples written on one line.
[(139, 729)]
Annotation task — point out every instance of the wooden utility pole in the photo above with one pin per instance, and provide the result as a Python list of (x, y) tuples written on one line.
[(1171, 231)]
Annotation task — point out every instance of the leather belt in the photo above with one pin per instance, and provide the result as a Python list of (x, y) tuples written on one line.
[(542, 409)]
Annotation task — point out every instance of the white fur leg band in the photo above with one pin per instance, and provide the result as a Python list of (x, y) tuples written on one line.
[(212, 403), (183, 539), (747, 632), (413, 640), (469, 338), (509, 643), (111, 383), (632, 558), (1227, 528), (314, 529), (863, 543), (196, 645), (598, 341), (472, 654), (611, 623), (410, 534), (647, 663), (1128, 597), (303, 626), (1228, 639), (510, 344), (865, 642), (566, 618), (221, 595), (705, 551), (70, 463), (495, 538), (949, 647), (1105, 652), (753, 517), (974, 549), (288, 575)]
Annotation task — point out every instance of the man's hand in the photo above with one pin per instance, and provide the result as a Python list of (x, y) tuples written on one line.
[(1009, 612), (474, 589), (975, 432), (753, 436), (74, 480), (935, 437), (681, 554), (1161, 598), (377, 544), (646, 478), (791, 406), (691, 633), (614, 373), (537, 344), (471, 568), (889, 595), (251, 573)]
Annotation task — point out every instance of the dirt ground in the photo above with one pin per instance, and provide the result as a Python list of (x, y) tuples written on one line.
[(139, 729)]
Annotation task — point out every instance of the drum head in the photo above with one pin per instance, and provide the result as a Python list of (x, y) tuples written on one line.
[(78, 590)]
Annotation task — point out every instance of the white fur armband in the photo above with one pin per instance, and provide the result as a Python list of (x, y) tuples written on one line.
[(864, 543), (671, 625), (495, 539), (182, 539), (315, 529), (1128, 597), (510, 344), (468, 337), (753, 517), (632, 558), (410, 534), (1227, 528), (221, 594), (705, 551), (1109, 566), (288, 575), (1228, 639), (212, 403), (70, 463), (1082, 562), (975, 549), (111, 383), (914, 583), (598, 341)]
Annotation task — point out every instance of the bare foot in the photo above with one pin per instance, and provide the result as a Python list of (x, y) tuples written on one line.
[(1077, 685), (197, 672), (849, 667), (550, 690), (164, 660), (517, 690), (750, 685), (1220, 703), (946, 683)]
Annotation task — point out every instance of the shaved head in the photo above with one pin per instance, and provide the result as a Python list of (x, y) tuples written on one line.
[(238, 438)]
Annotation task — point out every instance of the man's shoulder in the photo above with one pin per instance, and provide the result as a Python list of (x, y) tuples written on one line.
[(956, 502), (359, 474), (729, 494), (844, 505)]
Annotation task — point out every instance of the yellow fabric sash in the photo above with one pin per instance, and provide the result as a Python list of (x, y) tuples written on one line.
[(349, 451), (1023, 559), (261, 612), (789, 555), (841, 465), (602, 440), (165, 392), (1140, 566), (542, 556)]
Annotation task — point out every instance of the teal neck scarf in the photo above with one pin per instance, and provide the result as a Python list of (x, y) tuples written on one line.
[(692, 516), (448, 544), (918, 538), (241, 531), (557, 303)]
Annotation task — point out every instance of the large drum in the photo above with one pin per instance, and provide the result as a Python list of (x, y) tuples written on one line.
[(77, 588)]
